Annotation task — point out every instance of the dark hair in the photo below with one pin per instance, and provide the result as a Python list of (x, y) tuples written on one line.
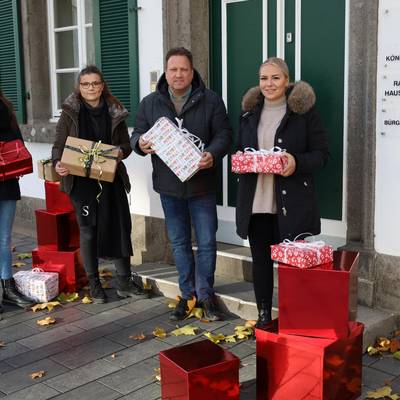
[(108, 96), (10, 108), (179, 51)]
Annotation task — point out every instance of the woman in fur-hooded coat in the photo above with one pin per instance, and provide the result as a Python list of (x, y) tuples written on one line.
[(271, 208)]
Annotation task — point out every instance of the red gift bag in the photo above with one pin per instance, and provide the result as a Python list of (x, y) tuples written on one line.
[(15, 160)]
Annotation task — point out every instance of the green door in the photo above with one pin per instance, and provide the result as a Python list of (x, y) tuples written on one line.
[(310, 36)]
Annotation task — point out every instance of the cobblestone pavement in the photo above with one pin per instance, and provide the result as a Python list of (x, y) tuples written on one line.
[(88, 354)]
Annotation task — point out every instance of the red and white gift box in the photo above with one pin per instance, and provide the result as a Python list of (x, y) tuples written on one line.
[(179, 149), (302, 254), (15, 160), (262, 161), (37, 285)]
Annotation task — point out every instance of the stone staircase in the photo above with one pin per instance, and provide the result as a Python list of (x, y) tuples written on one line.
[(234, 290)]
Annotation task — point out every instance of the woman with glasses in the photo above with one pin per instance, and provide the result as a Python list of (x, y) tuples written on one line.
[(269, 207), (9, 194), (91, 112)]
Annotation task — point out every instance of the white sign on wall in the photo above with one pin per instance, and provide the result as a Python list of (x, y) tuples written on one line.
[(387, 195)]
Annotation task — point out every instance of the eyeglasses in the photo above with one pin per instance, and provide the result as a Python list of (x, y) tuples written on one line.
[(95, 84)]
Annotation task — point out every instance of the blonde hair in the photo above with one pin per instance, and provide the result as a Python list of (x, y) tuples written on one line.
[(277, 62)]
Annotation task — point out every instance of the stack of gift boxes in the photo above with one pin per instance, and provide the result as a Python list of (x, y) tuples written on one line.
[(314, 350), (58, 240)]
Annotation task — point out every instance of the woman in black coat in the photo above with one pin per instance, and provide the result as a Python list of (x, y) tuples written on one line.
[(9, 194), (269, 207), (93, 113)]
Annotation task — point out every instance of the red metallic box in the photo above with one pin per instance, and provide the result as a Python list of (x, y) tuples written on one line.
[(297, 367), (198, 371), (15, 160), (75, 274), (61, 269), (319, 301), (55, 199), (52, 229)]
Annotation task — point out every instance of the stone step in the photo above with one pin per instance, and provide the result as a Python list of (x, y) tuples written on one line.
[(236, 296)]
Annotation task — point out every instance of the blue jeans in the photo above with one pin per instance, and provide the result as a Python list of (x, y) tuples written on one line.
[(7, 214), (202, 212)]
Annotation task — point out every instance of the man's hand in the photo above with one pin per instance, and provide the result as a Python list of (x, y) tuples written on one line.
[(290, 165), (61, 170), (207, 160), (145, 146)]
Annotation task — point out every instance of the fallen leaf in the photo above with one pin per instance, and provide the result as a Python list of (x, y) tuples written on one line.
[(68, 297), (2, 344), (159, 332), (215, 338), (196, 312), (147, 286), (105, 273), (372, 351), (49, 305), (172, 304), (397, 355), (18, 264), (139, 336), (230, 339), (191, 304), (185, 330), (46, 321), (381, 393), (243, 332), (250, 324), (394, 345), (157, 375), (23, 256), (383, 343), (113, 355), (37, 374), (87, 300)]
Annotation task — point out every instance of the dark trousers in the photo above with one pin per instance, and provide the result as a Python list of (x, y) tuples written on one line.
[(263, 232), (88, 243)]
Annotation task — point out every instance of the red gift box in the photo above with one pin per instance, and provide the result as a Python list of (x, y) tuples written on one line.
[(52, 229), (55, 199), (298, 367), (258, 161), (75, 274), (61, 269), (302, 254), (198, 371), (319, 301), (15, 159)]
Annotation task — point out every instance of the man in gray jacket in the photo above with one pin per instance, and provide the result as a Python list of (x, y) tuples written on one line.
[(181, 93)]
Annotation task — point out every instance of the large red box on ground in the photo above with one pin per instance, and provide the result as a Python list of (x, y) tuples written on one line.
[(198, 371), (55, 199), (297, 367), (15, 159), (319, 301), (75, 274)]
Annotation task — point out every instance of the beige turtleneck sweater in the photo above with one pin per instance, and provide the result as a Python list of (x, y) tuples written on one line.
[(270, 118)]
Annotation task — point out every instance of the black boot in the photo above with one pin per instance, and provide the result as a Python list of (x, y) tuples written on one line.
[(264, 314), (97, 292), (12, 296), (127, 287)]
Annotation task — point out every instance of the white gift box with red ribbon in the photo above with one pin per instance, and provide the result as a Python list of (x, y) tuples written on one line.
[(261, 161), (299, 253), (180, 150), (37, 285)]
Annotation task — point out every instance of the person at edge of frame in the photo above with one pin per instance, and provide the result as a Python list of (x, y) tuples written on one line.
[(181, 93), (9, 194), (91, 112), (270, 207)]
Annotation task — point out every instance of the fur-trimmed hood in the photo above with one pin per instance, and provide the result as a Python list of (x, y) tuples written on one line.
[(300, 97), (73, 103)]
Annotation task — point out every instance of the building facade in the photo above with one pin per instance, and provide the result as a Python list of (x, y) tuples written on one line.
[(346, 49)]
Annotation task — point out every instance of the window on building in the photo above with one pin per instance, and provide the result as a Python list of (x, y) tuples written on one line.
[(71, 45)]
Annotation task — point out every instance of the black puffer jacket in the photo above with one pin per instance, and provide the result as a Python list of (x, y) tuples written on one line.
[(204, 115), (302, 134), (9, 189)]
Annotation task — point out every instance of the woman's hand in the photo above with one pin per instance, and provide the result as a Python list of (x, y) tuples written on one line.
[(61, 170), (145, 146), (207, 160), (290, 165)]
